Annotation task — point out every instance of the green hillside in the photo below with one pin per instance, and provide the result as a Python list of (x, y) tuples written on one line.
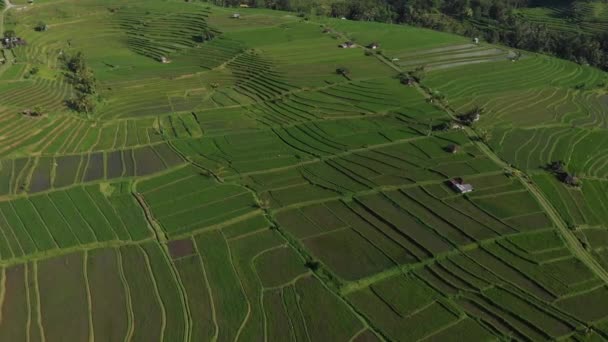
[(242, 177)]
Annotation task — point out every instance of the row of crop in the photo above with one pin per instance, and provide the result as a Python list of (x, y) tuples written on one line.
[(79, 216), (185, 200), (21, 132), (159, 34), (582, 150), (256, 78), (67, 135), (48, 94), (117, 293), (333, 102), (45, 173), (413, 219), (554, 105), (448, 58), (506, 80), (401, 164), (177, 94), (585, 206), (240, 153), (404, 308), (238, 270), (504, 298)]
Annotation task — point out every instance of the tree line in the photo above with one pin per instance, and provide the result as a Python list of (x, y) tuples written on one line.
[(496, 21)]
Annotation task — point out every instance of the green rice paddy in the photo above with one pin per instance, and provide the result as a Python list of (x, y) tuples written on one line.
[(245, 190)]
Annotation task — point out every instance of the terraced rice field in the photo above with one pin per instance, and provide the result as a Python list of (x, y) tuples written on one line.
[(590, 17), (248, 191)]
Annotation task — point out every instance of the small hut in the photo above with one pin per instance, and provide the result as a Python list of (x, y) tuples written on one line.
[(373, 46), (236, 16), (164, 60), (460, 186)]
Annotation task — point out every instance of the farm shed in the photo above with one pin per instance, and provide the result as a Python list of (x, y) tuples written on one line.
[(373, 46), (460, 186)]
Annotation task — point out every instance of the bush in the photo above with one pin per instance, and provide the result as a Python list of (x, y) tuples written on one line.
[(41, 27)]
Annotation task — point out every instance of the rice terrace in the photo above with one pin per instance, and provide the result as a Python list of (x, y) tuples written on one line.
[(174, 170)]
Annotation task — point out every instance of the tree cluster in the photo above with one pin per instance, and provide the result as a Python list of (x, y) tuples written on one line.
[(84, 82)]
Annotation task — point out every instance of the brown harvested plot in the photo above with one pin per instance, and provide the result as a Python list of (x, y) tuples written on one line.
[(63, 298), (108, 300), (13, 325), (181, 248)]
